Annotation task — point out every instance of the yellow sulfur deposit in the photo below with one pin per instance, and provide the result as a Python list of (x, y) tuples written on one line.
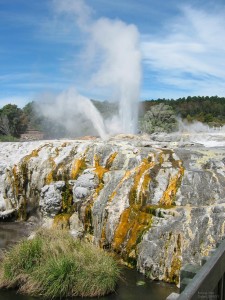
[(78, 166), (61, 221), (169, 194), (133, 222)]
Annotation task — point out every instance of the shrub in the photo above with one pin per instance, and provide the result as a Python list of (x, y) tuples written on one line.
[(8, 138), (160, 118), (53, 264)]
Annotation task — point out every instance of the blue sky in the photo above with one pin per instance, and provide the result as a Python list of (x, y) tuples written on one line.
[(182, 45)]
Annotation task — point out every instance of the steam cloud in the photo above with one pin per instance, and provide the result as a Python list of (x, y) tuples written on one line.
[(200, 133), (75, 118), (118, 70), (198, 127)]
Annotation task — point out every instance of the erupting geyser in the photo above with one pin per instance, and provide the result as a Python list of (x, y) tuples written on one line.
[(120, 70), (114, 50)]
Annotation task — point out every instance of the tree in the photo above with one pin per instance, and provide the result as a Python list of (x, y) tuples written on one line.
[(34, 118), (12, 117), (4, 125), (160, 118)]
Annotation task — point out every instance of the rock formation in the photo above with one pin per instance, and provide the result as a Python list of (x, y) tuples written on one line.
[(158, 203)]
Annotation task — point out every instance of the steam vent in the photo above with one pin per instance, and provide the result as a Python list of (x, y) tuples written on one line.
[(158, 202)]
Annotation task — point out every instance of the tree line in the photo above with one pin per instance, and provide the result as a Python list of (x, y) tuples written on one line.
[(159, 114), (205, 109)]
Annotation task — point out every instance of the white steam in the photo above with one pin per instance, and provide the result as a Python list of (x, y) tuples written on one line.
[(198, 127), (74, 112), (199, 133), (120, 69), (114, 47)]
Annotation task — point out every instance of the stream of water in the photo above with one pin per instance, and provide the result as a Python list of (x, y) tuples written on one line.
[(127, 289)]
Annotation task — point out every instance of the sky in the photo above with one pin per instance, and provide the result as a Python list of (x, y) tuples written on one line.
[(47, 48)]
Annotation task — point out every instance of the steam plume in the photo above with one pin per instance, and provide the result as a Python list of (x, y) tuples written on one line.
[(74, 112), (119, 69)]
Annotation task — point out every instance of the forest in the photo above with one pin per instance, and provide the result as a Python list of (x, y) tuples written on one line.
[(209, 110)]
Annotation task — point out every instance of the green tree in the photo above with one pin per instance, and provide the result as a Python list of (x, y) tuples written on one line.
[(208, 118), (34, 118), (14, 118), (160, 118), (4, 125)]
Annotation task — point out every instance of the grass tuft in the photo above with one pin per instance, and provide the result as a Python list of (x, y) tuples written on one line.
[(53, 264)]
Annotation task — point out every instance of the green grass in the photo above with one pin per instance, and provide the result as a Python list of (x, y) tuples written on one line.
[(8, 138), (20, 261), (53, 264)]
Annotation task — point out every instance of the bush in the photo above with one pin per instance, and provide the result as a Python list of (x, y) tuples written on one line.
[(8, 138), (160, 118), (53, 264)]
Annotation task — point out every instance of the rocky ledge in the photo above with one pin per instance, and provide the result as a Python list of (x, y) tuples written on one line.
[(158, 202)]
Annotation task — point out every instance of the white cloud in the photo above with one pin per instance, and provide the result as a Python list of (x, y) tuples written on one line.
[(191, 56)]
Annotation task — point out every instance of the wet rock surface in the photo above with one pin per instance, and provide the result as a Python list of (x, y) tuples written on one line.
[(158, 202)]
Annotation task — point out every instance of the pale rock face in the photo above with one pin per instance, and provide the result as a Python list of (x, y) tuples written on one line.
[(80, 193), (2, 204), (159, 203), (76, 226), (84, 186), (51, 198)]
